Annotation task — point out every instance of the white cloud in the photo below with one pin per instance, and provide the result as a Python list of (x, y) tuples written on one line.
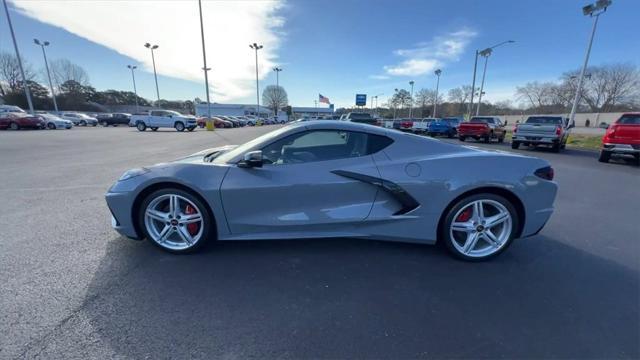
[(427, 56), (378, 77), (124, 26)]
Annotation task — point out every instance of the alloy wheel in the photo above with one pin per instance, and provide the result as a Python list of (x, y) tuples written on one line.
[(174, 222), (481, 228)]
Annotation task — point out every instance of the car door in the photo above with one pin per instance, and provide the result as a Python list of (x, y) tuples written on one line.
[(298, 189)]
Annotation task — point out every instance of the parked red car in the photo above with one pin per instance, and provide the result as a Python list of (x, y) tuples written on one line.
[(482, 127), (622, 138), (16, 121)]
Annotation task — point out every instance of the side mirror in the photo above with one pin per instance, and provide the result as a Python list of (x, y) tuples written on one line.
[(251, 159), (506, 122)]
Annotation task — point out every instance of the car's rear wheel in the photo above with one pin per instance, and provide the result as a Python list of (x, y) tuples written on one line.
[(604, 157), (141, 126), (515, 144), (14, 126), (175, 220), (83, 123), (461, 138), (179, 126), (154, 129), (555, 148), (105, 124), (479, 227), (51, 126)]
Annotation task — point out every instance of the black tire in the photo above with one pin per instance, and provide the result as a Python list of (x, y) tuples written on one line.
[(555, 148), (604, 157), (191, 128), (451, 134), (207, 223), (141, 126), (51, 126), (154, 129), (461, 138), (105, 124), (14, 126), (179, 126), (448, 218), (501, 139), (515, 144), (83, 123), (487, 139), (94, 124)]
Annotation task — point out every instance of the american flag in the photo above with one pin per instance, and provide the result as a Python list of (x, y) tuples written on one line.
[(323, 99)]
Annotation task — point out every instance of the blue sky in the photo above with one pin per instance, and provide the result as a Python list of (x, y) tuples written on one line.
[(336, 48)]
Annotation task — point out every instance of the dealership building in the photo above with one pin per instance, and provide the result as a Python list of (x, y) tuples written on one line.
[(246, 109)]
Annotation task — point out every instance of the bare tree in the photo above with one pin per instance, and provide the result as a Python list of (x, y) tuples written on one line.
[(63, 70), (10, 77), (537, 94), (275, 97), (459, 97)]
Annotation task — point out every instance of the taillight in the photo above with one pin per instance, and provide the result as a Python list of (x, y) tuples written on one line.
[(558, 130), (545, 173), (611, 131), (515, 129)]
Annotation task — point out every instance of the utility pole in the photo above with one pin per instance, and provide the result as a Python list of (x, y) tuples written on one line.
[(46, 65), (485, 53), (27, 92)]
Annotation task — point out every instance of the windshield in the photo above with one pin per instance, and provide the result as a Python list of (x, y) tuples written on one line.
[(629, 120), (482, 120), (544, 120), (224, 158)]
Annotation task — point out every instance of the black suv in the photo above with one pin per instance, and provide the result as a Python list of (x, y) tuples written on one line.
[(363, 118)]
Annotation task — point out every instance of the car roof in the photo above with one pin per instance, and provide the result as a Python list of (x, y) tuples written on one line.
[(345, 125)]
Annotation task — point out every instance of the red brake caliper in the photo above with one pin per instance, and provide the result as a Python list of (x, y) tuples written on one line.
[(465, 215), (193, 227)]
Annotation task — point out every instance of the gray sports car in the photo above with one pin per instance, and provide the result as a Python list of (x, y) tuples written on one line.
[(322, 179)]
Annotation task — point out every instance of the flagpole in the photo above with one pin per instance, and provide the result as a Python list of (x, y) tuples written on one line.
[(316, 104)]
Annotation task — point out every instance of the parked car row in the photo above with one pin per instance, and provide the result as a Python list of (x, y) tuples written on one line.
[(226, 121)]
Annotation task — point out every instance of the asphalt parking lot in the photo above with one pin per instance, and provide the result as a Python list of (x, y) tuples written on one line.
[(73, 288)]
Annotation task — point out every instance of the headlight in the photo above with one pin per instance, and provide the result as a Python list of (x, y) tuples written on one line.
[(133, 173)]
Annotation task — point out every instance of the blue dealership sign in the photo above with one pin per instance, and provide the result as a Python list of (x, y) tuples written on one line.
[(361, 99)]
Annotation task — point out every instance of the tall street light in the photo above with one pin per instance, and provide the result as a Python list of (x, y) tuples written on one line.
[(204, 59), (435, 100), (27, 92), (592, 10), (277, 70), (475, 68), (257, 47), (411, 103), (153, 59), (46, 65), (395, 107), (133, 77), (484, 53)]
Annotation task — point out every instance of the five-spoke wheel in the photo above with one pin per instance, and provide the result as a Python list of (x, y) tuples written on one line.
[(175, 220), (480, 227)]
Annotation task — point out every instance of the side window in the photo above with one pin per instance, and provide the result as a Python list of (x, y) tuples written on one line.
[(322, 145)]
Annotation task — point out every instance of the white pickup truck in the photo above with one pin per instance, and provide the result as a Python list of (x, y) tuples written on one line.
[(163, 119)]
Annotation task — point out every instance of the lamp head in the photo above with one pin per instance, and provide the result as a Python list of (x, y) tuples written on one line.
[(154, 47), (46, 43), (438, 72), (36, 41), (147, 45)]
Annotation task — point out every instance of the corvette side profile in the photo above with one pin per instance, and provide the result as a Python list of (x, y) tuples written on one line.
[(336, 179)]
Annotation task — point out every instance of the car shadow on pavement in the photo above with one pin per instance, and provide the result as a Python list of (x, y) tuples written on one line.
[(349, 298)]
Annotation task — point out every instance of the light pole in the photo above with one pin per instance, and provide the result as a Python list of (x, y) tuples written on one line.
[(376, 106), (204, 67), (277, 70), (133, 77), (593, 10), (411, 100), (46, 65), (27, 92), (257, 47), (395, 107), (485, 53), (435, 100), (475, 67), (153, 59)]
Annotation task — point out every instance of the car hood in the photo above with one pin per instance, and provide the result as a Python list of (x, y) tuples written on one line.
[(206, 155)]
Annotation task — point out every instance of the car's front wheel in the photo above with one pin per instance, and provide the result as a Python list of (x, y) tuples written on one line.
[(14, 126), (83, 123), (175, 220), (604, 156), (105, 124), (141, 126), (51, 126), (479, 227), (515, 144), (179, 126)]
